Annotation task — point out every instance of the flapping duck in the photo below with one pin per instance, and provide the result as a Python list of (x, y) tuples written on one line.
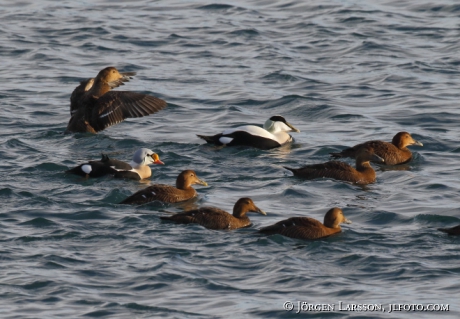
[(94, 106)]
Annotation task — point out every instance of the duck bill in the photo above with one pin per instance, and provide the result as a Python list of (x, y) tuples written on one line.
[(128, 74), (347, 221), (258, 210), (417, 143), (377, 159), (201, 182), (293, 128), (156, 160)]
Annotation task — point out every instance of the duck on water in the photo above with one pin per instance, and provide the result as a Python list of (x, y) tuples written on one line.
[(94, 106), (308, 228), (393, 153), (273, 134), (166, 193), (138, 168), (363, 173), (216, 218)]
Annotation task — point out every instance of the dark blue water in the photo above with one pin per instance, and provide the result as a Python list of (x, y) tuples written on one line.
[(341, 71)]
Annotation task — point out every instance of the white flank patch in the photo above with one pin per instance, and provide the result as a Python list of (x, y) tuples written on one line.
[(86, 168), (225, 140), (153, 193), (144, 196)]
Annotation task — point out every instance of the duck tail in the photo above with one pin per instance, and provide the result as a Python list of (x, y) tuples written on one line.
[(336, 155), (269, 230), (290, 169), (211, 139)]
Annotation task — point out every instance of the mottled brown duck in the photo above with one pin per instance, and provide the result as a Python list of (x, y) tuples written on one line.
[(363, 173), (451, 231), (393, 153), (308, 228), (166, 193), (216, 218), (94, 107), (138, 168)]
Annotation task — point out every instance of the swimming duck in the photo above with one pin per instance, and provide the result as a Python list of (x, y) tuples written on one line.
[(308, 228), (363, 174), (451, 231), (273, 134), (168, 194), (216, 218), (393, 153), (94, 107), (138, 168)]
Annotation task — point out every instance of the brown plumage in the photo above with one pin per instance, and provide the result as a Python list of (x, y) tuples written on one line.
[(393, 153), (308, 228), (166, 193), (363, 174), (216, 218), (451, 231), (94, 107)]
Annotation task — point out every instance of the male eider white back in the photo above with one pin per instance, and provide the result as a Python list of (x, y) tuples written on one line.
[(273, 134)]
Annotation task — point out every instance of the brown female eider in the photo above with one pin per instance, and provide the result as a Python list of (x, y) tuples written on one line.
[(138, 168), (216, 218), (363, 174), (273, 134), (393, 153), (451, 231), (308, 228), (94, 107), (168, 194)]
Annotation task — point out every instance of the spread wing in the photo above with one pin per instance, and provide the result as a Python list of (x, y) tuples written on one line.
[(78, 93), (115, 106)]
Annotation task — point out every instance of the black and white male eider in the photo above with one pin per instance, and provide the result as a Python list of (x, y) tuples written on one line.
[(94, 106), (138, 168), (273, 134)]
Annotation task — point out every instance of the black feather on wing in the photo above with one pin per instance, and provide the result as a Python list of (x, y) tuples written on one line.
[(115, 106), (77, 95)]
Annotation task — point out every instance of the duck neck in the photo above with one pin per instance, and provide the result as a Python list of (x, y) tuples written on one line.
[(99, 88), (239, 213), (363, 165)]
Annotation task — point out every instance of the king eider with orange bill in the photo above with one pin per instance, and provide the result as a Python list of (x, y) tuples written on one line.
[(138, 168)]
